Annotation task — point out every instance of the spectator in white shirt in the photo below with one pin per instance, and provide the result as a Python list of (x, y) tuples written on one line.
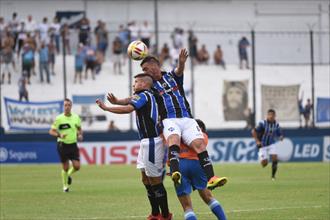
[(43, 31), (30, 26), (145, 33)]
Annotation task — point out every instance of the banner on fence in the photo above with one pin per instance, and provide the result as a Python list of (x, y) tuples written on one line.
[(31, 115), (323, 110), (283, 99), (235, 100)]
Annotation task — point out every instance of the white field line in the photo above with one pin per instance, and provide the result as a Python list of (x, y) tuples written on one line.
[(198, 213)]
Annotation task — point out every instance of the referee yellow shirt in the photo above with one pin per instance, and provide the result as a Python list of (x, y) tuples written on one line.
[(67, 125)]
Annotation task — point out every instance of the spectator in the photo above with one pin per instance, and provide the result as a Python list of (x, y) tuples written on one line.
[(22, 90), (218, 57), (192, 41), (164, 54), (43, 62), (249, 119), (7, 57), (117, 50), (203, 55), (30, 40), (66, 36), (55, 29), (101, 34), (174, 53), (27, 61), (177, 37), (301, 111), (2, 30), (133, 31), (21, 38), (242, 50), (112, 126), (123, 34), (13, 28), (43, 31), (307, 113), (145, 33), (79, 63), (30, 26), (52, 53), (84, 30), (90, 60)]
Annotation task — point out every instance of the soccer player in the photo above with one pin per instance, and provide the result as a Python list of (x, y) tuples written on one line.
[(67, 129), (194, 177), (264, 135), (177, 118), (152, 151)]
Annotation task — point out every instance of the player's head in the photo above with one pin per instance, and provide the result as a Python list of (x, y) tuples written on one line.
[(142, 81), (67, 106), (271, 115), (201, 125), (151, 66)]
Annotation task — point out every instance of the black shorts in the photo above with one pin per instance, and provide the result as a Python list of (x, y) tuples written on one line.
[(68, 151)]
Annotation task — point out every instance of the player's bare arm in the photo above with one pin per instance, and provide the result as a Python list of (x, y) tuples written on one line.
[(181, 62), (114, 100), (79, 134), (53, 132), (125, 109), (255, 136)]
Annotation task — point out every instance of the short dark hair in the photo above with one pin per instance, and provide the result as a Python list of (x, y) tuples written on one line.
[(150, 59), (201, 125), (142, 75), (68, 100), (271, 111)]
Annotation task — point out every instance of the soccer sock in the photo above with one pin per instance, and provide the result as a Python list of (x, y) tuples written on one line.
[(174, 151), (71, 171), (217, 209), (152, 200), (206, 164), (189, 215), (161, 197), (274, 168), (65, 178)]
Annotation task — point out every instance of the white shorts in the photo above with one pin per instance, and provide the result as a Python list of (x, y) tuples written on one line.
[(151, 157), (186, 128), (264, 152)]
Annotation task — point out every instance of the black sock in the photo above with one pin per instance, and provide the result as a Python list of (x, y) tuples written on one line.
[(152, 200), (161, 197), (206, 164), (274, 168), (173, 156)]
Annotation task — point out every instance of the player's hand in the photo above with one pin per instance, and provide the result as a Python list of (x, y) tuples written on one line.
[(112, 98), (62, 136), (80, 137), (100, 104), (183, 56), (259, 145)]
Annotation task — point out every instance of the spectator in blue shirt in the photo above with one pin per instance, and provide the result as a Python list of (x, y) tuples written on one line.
[(242, 50), (43, 62), (79, 63)]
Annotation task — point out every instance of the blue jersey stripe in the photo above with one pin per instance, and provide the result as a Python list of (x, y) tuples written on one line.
[(151, 150)]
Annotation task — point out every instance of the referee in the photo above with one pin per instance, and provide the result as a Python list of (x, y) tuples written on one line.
[(67, 129)]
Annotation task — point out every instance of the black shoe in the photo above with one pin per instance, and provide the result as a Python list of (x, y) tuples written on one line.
[(69, 180), (66, 189)]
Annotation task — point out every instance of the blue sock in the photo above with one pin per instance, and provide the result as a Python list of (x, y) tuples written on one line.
[(217, 209), (189, 215)]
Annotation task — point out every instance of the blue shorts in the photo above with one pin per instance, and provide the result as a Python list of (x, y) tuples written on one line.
[(193, 177)]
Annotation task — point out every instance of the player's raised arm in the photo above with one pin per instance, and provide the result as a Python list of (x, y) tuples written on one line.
[(181, 62), (114, 100), (125, 109)]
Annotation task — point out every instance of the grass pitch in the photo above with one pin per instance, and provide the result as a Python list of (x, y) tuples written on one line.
[(115, 192)]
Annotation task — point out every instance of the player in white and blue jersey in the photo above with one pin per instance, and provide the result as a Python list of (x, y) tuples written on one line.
[(177, 119), (152, 151), (265, 135)]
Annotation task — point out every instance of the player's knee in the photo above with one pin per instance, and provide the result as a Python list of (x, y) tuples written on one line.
[(264, 163), (198, 145), (76, 167)]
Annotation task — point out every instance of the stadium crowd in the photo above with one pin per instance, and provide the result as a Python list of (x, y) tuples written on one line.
[(22, 41)]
